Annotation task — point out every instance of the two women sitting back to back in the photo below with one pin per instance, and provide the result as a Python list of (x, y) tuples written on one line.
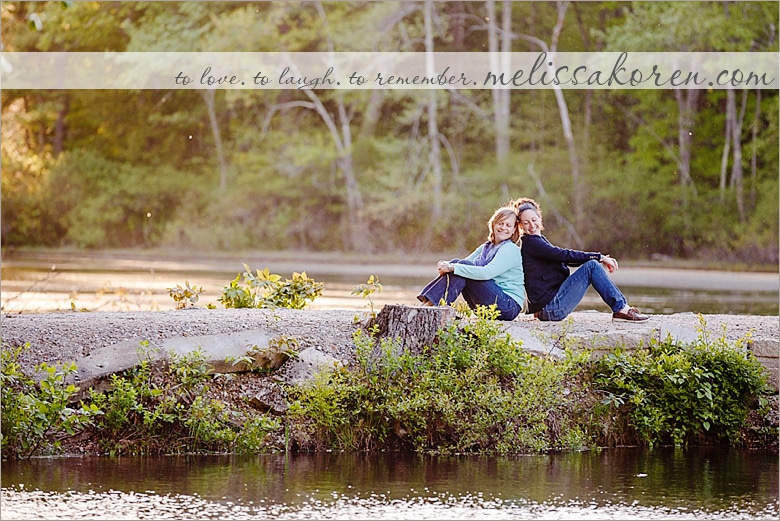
[(498, 273)]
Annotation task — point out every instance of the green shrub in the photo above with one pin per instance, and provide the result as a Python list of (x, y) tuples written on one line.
[(263, 289), (257, 435), (170, 410), (475, 391), (674, 393), (36, 413)]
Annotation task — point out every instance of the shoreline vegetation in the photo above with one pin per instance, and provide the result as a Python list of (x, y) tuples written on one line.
[(473, 390)]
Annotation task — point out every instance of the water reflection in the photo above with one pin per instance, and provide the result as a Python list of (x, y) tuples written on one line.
[(614, 484)]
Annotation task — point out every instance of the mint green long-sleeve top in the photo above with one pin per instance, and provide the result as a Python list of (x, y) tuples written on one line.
[(506, 269)]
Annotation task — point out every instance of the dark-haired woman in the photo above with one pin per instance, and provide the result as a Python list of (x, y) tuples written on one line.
[(553, 292)]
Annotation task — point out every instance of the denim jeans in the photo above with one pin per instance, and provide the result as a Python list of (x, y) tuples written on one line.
[(574, 287), (475, 292)]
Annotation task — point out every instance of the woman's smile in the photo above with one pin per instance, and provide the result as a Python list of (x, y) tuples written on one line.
[(504, 230), (530, 222)]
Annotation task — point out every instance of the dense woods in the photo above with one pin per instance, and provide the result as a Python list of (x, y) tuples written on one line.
[(684, 173)]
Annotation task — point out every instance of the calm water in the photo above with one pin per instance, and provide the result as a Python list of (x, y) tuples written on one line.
[(35, 288), (612, 484)]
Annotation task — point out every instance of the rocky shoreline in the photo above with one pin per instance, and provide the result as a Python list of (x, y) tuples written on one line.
[(107, 340)]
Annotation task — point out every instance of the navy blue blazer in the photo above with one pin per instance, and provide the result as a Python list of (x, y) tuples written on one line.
[(546, 267)]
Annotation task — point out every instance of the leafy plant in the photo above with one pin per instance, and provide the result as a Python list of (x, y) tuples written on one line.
[(263, 360), (185, 296), (171, 409), (263, 289), (674, 393), (474, 391), (35, 413), (257, 434), (371, 286)]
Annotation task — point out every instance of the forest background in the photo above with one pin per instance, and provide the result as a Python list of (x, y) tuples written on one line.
[(686, 173)]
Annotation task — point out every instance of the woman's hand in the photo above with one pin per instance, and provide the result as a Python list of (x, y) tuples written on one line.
[(444, 267), (610, 264)]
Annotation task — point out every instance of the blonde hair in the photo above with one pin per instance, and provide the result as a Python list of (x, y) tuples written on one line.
[(500, 215)]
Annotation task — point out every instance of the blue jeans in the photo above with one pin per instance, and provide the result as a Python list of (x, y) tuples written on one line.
[(475, 292), (569, 295)]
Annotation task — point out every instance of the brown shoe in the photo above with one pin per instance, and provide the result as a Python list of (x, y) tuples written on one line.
[(632, 315)]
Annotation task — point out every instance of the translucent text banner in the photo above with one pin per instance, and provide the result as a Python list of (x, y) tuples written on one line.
[(389, 70)]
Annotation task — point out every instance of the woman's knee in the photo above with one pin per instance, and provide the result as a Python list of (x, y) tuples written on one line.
[(592, 265)]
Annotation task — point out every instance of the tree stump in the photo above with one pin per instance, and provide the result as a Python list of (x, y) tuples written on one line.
[(413, 327)]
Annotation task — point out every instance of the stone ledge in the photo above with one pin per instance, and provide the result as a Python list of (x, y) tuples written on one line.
[(105, 342)]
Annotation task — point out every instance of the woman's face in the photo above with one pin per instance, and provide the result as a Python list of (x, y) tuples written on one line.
[(503, 229), (531, 222)]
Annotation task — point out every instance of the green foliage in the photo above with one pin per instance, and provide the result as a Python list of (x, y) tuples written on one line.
[(257, 434), (675, 393), (185, 296), (264, 360), (666, 26), (475, 391), (371, 286), (36, 413), (103, 203), (170, 410), (123, 168), (263, 289)]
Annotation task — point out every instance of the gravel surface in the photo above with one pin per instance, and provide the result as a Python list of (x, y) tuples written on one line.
[(67, 336)]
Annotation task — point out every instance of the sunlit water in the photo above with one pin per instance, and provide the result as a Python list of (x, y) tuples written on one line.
[(31, 289), (612, 484)]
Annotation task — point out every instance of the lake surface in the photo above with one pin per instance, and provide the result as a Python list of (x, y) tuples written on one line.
[(45, 282), (627, 483)]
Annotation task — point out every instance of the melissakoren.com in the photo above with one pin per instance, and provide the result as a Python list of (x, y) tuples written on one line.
[(644, 74)]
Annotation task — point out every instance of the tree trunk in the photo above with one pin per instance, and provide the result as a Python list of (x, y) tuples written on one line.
[(501, 97), (209, 96), (754, 155), (588, 104), (577, 190), (412, 328), (724, 158), (357, 233), (372, 114), (358, 238), (457, 17), (563, 110), (434, 153), (737, 171), (686, 106)]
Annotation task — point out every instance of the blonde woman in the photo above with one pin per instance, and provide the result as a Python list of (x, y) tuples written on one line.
[(491, 274)]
